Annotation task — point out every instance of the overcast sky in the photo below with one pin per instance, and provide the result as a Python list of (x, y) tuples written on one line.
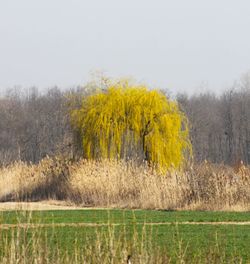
[(179, 45)]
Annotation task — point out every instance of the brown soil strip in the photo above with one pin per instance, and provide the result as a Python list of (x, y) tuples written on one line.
[(31, 225), (64, 205), (40, 206), (202, 223)]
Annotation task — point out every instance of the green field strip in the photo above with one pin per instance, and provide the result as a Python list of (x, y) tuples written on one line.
[(196, 237), (120, 216)]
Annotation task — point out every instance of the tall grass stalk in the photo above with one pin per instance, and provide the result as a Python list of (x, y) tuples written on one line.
[(110, 244)]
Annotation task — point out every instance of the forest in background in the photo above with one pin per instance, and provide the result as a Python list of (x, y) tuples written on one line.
[(34, 125)]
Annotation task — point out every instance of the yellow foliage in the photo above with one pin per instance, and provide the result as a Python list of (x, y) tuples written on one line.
[(132, 121)]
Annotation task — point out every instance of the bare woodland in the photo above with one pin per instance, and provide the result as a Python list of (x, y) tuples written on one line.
[(34, 125)]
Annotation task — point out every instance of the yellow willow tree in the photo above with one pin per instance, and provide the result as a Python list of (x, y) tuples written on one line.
[(128, 121)]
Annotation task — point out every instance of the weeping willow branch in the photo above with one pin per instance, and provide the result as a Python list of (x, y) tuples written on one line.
[(131, 120)]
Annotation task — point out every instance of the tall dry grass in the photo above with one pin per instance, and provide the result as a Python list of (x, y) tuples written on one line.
[(46, 180), (38, 245), (127, 184)]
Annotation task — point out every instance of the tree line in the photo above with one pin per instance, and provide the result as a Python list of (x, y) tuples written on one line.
[(220, 125), (34, 125)]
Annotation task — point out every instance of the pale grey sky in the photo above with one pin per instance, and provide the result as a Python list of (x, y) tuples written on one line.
[(178, 44)]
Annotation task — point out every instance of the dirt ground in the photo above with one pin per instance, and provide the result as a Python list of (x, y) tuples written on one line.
[(64, 205), (41, 205), (31, 225)]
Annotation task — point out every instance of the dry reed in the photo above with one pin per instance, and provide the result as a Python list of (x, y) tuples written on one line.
[(127, 185)]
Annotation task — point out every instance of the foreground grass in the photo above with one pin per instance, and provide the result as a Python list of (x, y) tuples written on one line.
[(125, 233)]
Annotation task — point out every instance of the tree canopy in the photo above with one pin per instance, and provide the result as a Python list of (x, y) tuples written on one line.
[(127, 121)]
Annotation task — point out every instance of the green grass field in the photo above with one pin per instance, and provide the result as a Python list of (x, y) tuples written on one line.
[(160, 233), (119, 216)]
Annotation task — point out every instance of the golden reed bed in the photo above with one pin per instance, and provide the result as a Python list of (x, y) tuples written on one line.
[(128, 184)]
